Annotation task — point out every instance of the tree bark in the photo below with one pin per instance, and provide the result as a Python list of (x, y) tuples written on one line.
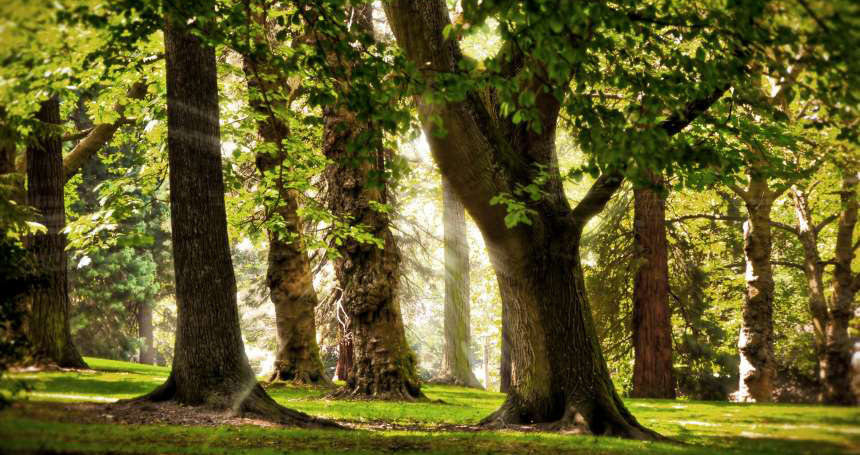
[(456, 360), (345, 354), (48, 325), (146, 334), (288, 275), (837, 349), (652, 319), (755, 343), (505, 366), (560, 377), (210, 366), (384, 366)]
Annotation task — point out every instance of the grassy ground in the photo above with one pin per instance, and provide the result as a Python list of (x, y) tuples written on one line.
[(705, 428)]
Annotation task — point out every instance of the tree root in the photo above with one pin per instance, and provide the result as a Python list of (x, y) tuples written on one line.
[(401, 393), (510, 416), (252, 402), (301, 378)]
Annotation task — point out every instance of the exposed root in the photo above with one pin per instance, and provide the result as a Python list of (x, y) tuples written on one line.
[(510, 416), (402, 393), (301, 378), (252, 402)]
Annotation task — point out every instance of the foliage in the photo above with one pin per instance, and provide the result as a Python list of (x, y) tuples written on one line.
[(18, 276)]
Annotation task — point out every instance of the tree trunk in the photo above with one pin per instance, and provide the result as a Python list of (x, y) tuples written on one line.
[(145, 332), (755, 343), (48, 325), (288, 275), (652, 319), (456, 365), (505, 360), (210, 366), (384, 366), (813, 268), (560, 378), (345, 354), (837, 354)]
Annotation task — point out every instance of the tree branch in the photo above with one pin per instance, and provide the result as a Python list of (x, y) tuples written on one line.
[(824, 224), (596, 198)]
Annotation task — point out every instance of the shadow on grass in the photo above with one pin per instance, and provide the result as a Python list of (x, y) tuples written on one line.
[(89, 385)]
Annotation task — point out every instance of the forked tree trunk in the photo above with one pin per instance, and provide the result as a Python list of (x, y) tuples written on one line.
[(837, 349), (146, 334), (652, 320), (48, 324), (288, 275), (210, 366), (505, 358), (384, 366), (456, 359), (755, 342), (813, 268), (560, 378)]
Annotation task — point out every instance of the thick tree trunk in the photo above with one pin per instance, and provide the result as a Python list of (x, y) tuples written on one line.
[(48, 324), (505, 359), (210, 366), (755, 343), (560, 378), (456, 360), (384, 366), (652, 320), (146, 334), (288, 275), (837, 350)]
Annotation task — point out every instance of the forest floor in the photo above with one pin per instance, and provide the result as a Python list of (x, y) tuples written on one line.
[(69, 413)]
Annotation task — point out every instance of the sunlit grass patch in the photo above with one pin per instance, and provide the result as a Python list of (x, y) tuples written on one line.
[(707, 427)]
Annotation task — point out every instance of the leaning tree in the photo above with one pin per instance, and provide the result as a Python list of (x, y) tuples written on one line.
[(491, 128)]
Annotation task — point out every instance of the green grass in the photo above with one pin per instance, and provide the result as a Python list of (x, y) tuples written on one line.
[(704, 427)]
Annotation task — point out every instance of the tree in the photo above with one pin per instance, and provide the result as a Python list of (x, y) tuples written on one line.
[(368, 271), (209, 366), (496, 145), (48, 323), (456, 360), (289, 272), (830, 314), (652, 319)]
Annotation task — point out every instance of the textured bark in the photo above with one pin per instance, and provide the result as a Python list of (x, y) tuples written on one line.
[(48, 325), (288, 275), (755, 343), (384, 366), (505, 366), (560, 378), (146, 334), (837, 349), (456, 360), (210, 366), (652, 320), (345, 355)]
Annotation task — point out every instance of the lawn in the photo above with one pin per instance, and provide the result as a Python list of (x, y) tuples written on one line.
[(702, 427)]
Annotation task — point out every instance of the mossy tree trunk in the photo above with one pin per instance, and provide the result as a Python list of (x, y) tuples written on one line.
[(652, 319), (48, 323), (456, 359), (210, 367), (288, 275)]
